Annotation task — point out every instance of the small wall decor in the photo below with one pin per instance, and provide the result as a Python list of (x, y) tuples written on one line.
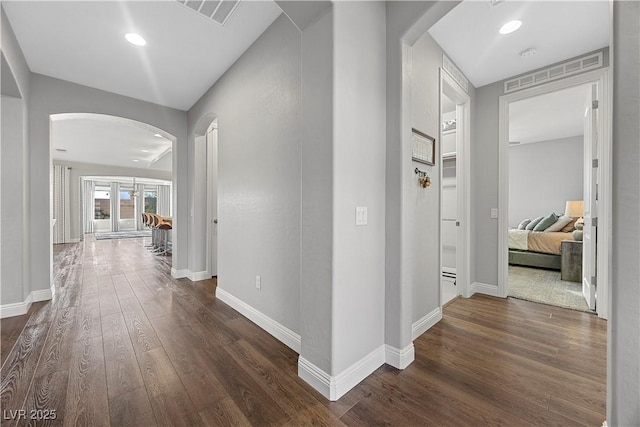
[(423, 178), (424, 148)]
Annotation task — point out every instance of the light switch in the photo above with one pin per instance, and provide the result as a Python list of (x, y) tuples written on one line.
[(361, 215), (494, 213)]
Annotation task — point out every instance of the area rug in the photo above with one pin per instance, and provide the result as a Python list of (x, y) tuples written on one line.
[(122, 235), (545, 286)]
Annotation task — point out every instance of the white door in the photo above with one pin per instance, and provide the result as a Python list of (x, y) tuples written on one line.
[(212, 184), (590, 215)]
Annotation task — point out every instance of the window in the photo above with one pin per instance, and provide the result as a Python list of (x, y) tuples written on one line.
[(151, 201), (102, 203), (127, 203)]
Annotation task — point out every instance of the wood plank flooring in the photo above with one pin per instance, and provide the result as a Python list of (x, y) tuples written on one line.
[(124, 344)]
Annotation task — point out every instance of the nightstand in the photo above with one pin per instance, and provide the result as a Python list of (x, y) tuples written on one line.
[(571, 260)]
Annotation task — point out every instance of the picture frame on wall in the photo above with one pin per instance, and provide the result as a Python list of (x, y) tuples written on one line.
[(424, 147)]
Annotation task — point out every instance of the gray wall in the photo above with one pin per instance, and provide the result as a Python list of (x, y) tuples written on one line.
[(316, 293), (484, 185), (623, 391), (358, 160), (15, 283), (51, 96), (543, 176), (257, 103), (423, 204), (79, 170)]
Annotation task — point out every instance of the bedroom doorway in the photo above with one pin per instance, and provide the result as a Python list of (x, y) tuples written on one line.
[(550, 176), (454, 189)]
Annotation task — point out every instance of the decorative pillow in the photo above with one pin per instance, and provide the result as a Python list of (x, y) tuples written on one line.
[(569, 227), (533, 223), (546, 222), (560, 224), (523, 224)]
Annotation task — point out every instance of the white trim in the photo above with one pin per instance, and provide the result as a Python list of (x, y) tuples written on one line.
[(20, 308), (198, 275), (486, 289), (334, 387), (74, 240), (179, 274), (399, 358), (424, 324), (463, 182), (603, 79), (279, 331)]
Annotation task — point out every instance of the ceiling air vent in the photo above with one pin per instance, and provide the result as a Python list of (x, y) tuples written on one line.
[(217, 10), (574, 66)]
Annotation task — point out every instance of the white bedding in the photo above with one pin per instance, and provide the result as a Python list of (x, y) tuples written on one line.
[(518, 239)]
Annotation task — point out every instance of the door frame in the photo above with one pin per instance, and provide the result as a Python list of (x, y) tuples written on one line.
[(463, 184), (211, 215), (602, 78)]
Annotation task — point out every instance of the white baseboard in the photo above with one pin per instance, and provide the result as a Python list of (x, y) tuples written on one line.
[(399, 358), (425, 323), (279, 331), (179, 274), (483, 288), (334, 387), (20, 308), (198, 275)]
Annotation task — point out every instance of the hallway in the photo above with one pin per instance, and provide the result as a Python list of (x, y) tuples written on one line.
[(123, 343)]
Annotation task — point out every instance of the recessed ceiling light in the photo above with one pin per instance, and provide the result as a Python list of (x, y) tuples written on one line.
[(136, 39), (157, 135), (510, 27), (136, 160), (145, 151)]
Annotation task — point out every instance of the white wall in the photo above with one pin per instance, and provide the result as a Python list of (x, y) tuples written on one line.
[(52, 96), (623, 363), (543, 176), (257, 104), (79, 170)]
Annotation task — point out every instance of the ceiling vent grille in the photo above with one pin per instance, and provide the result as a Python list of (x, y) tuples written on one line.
[(217, 10), (574, 66), (455, 73)]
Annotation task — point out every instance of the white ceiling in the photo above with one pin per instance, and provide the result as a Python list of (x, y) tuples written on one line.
[(83, 42), (548, 117), (109, 141), (558, 30)]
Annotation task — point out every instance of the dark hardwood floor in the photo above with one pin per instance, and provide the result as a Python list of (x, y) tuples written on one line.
[(124, 344)]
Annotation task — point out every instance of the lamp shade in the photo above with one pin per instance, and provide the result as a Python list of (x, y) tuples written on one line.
[(574, 208)]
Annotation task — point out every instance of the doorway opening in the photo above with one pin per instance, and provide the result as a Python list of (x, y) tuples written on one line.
[(454, 190), (554, 194), (107, 171)]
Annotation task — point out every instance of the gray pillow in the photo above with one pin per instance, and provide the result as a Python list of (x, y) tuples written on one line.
[(533, 223), (523, 224), (546, 222), (561, 223)]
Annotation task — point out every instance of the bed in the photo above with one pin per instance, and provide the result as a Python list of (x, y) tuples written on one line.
[(536, 248)]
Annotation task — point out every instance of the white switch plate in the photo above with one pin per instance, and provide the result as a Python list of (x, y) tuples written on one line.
[(494, 213), (258, 282), (361, 215)]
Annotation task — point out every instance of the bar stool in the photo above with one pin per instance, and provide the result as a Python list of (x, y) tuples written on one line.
[(164, 228)]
